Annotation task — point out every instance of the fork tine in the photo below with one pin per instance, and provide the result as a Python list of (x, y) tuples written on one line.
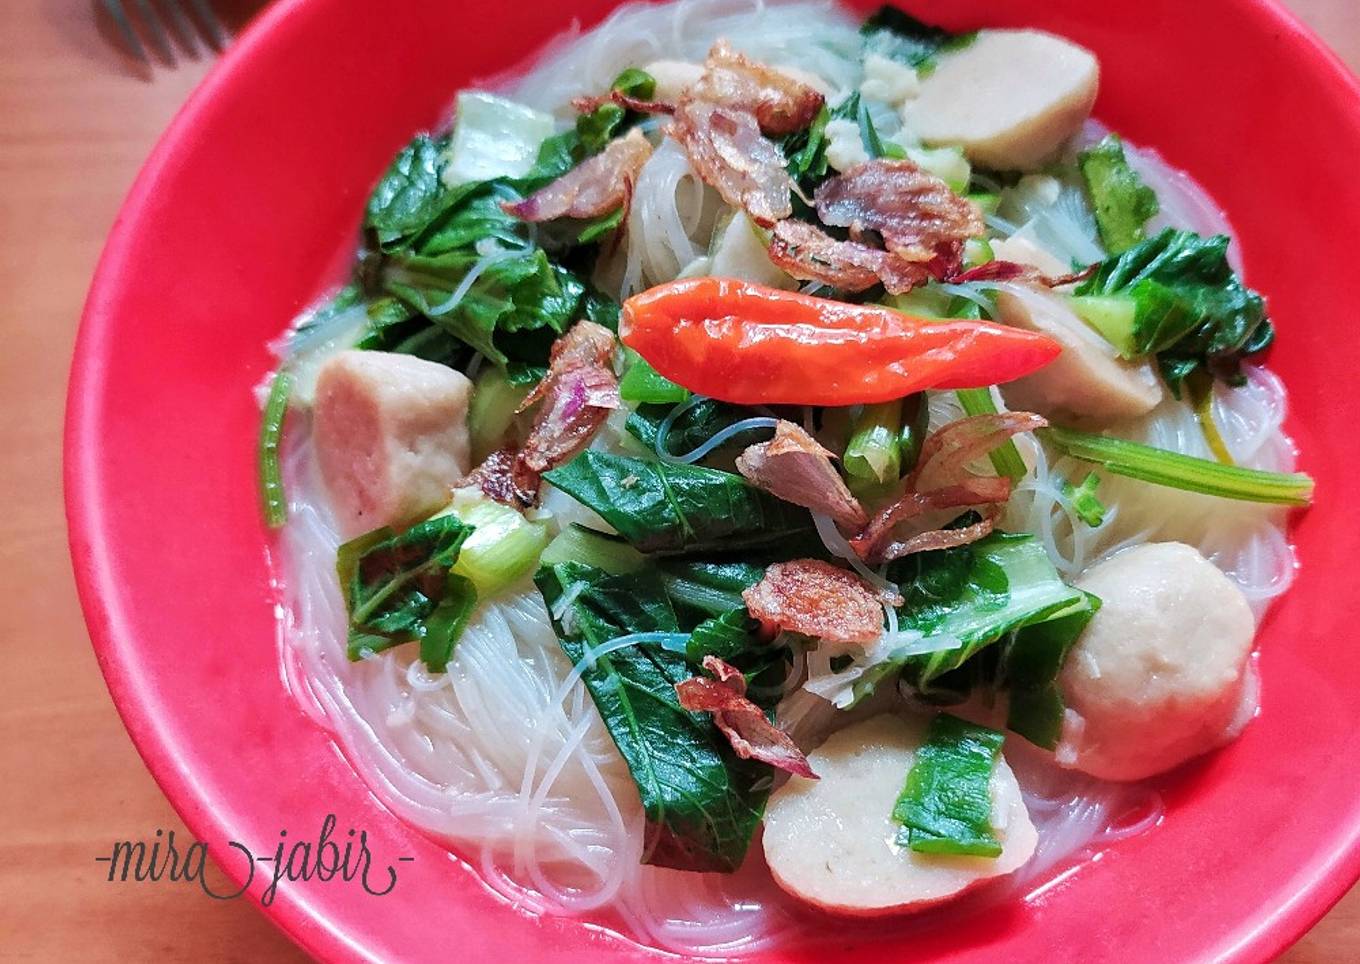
[(208, 22), (180, 27), (120, 18), (151, 23)]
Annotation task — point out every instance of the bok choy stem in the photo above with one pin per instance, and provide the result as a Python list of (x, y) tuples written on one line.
[(271, 434), (873, 453), (1177, 471)]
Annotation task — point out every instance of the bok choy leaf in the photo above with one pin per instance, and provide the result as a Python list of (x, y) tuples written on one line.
[(1190, 308), (1121, 201), (965, 598), (677, 508), (946, 806), (400, 588), (1030, 667), (702, 802)]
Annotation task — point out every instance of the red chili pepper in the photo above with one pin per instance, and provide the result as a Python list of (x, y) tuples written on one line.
[(749, 344)]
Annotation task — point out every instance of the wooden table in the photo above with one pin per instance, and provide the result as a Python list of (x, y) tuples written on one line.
[(76, 121)]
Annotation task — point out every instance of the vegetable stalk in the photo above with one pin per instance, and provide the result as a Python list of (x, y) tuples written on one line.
[(873, 450), (1160, 467), (271, 434)]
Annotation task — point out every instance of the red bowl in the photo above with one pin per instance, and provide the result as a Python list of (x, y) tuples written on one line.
[(245, 211)]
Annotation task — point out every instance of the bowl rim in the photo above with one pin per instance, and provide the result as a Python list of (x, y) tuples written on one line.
[(91, 548)]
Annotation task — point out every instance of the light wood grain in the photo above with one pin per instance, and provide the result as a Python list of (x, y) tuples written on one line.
[(76, 121)]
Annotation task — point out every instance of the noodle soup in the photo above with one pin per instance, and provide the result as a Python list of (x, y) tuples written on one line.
[(506, 743)]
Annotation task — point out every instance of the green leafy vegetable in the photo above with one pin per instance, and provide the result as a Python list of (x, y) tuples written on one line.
[(874, 145), (728, 637), (593, 130), (708, 588), (399, 588), (518, 292), (1085, 502), (702, 802), (454, 269), (596, 228), (410, 194), (504, 545), (1123, 204), (1192, 311), (806, 150), (973, 594), (271, 435), (493, 138), (699, 421), (556, 156), (1160, 467), (444, 626), (1111, 317), (946, 806), (1030, 669), (677, 508), (491, 411), (1004, 583), (899, 36), (598, 127), (915, 428)]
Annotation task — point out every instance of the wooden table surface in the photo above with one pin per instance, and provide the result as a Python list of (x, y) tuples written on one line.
[(76, 121)]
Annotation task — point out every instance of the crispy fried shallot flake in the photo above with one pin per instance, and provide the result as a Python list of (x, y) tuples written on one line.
[(941, 480), (946, 454), (792, 466), (578, 393), (780, 103), (745, 724), (495, 477), (728, 152), (933, 539), (586, 105), (818, 599), (810, 254), (1024, 273), (919, 218), (596, 186)]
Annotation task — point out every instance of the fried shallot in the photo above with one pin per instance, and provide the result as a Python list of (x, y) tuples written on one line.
[(596, 186), (808, 253), (917, 215), (745, 724), (578, 393), (941, 480), (817, 599), (728, 152), (780, 103), (792, 466)]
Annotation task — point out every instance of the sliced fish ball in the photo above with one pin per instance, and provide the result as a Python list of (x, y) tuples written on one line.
[(832, 841), (1088, 384), (1009, 99)]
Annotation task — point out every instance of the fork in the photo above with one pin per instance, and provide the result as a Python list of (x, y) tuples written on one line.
[(163, 19)]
